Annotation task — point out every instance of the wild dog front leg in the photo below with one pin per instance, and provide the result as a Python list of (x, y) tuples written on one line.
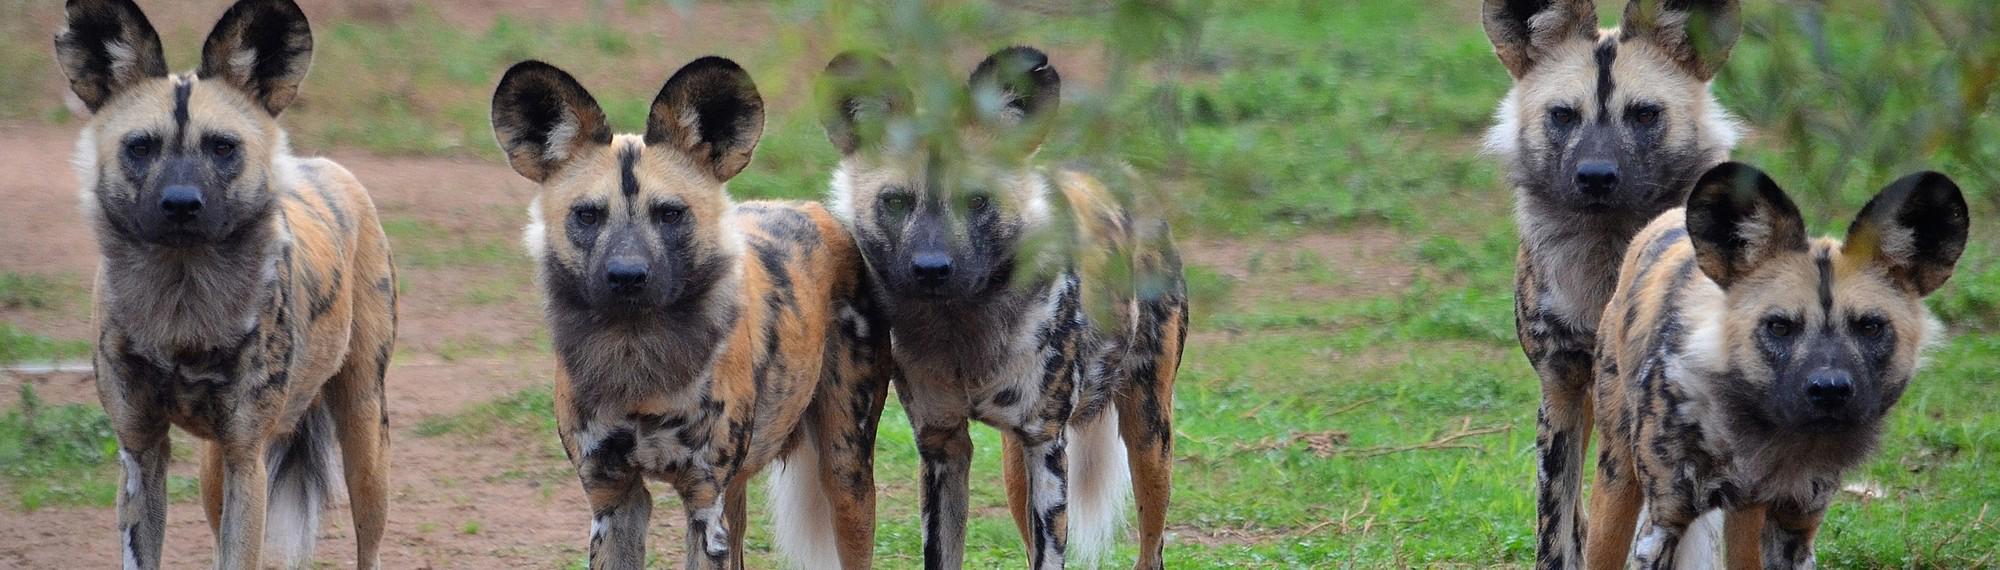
[(946, 453), (1562, 359), (245, 488), (1668, 515), (1048, 500), (620, 505), (619, 511), (142, 495), (707, 532), (1788, 534)]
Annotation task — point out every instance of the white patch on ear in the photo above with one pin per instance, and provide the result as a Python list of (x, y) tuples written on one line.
[(1503, 139), (534, 236), (1757, 230), (556, 148), (1899, 242), (244, 61), (124, 61), (840, 195)]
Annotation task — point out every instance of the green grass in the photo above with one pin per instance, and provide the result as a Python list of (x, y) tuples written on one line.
[(18, 345), (36, 292), (63, 455), (1302, 422)]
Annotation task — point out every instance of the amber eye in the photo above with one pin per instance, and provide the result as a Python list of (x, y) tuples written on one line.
[(1869, 328), (1646, 115), (668, 214), (222, 148), (896, 203), (142, 147), (1780, 327), (1563, 116), (586, 215)]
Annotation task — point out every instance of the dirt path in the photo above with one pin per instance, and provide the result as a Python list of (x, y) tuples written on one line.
[(470, 332)]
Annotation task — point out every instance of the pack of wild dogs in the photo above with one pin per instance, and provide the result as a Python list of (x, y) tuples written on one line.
[(1734, 366)]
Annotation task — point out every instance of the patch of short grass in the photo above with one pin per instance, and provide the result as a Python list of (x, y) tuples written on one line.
[(63, 455), (529, 410), (29, 291), (17, 345), (426, 244)]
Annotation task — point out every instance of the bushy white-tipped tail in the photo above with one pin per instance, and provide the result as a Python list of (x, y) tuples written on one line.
[(1701, 547), (1099, 484), (801, 515), (303, 468)]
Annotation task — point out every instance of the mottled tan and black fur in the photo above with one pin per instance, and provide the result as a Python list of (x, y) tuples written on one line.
[(1603, 130), (244, 295), (1024, 297), (1743, 367), (697, 340)]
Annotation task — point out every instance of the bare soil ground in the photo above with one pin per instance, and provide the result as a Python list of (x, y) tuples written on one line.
[(470, 332), (447, 484)]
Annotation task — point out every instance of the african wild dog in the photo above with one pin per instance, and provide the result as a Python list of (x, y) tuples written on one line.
[(991, 322), (697, 340), (245, 295), (1744, 367), (1602, 131)]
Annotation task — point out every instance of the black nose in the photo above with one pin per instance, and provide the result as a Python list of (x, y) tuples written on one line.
[(180, 203), (626, 275), (1596, 177), (931, 269), (1829, 389)]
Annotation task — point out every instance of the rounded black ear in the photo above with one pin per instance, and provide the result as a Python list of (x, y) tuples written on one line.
[(104, 46), (1522, 31), (1738, 219), (263, 47), (711, 112), (542, 116), (1697, 34), (1015, 85), (1915, 229), (858, 93)]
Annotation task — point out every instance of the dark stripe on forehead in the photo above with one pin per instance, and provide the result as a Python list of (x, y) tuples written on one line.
[(1607, 52), (182, 88), (628, 181), (1825, 262)]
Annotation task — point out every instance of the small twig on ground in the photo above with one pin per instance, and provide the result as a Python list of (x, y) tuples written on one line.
[(1323, 444), (1959, 531), (1252, 412), (1351, 407), (1346, 520), (1447, 441)]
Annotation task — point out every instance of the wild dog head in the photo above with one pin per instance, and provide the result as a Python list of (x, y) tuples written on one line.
[(181, 160), (1818, 338), (941, 205), (629, 224), (1610, 120)]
